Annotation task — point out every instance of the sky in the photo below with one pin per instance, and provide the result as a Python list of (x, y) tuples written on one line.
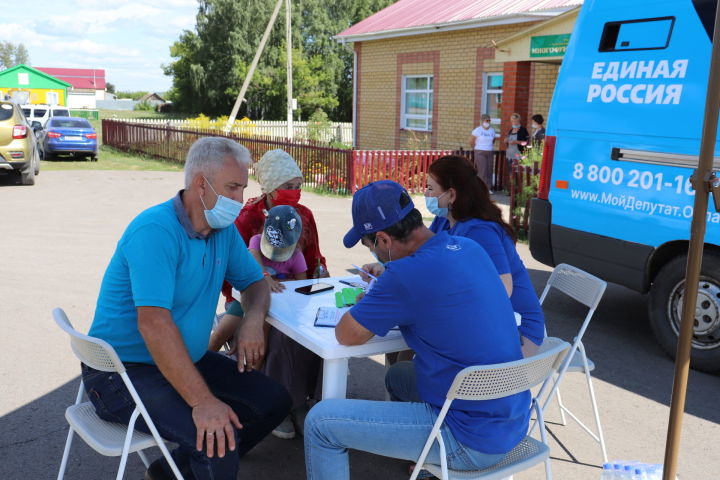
[(130, 39)]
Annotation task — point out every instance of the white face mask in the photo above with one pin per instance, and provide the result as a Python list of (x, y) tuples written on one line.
[(486, 124), (224, 213)]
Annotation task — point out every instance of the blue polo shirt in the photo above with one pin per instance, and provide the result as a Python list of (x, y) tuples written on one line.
[(501, 249), (161, 261), (453, 311)]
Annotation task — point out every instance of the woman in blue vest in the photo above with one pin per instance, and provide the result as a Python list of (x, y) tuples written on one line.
[(461, 204)]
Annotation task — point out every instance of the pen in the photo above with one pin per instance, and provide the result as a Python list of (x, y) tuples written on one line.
[(366, 273)]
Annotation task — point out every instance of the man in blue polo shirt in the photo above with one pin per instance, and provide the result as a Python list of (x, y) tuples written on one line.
[(156, 308), (445, 295)]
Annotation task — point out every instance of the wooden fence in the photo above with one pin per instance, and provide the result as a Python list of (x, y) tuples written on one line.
[(523, 187), (324, 168)]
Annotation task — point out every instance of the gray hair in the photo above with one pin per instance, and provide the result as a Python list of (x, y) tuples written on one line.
[(207, 155)]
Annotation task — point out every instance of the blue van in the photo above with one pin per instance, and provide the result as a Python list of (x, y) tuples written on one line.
[(623, 139)]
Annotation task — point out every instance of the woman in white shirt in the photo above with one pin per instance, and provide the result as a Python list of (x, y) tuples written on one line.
[(482, 140)]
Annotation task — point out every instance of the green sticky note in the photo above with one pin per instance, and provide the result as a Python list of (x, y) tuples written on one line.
[(339, 300)]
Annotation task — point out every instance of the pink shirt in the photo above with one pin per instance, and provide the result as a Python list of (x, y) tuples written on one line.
[(295, 264)]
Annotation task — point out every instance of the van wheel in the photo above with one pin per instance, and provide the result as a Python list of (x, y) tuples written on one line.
[(666, 299)]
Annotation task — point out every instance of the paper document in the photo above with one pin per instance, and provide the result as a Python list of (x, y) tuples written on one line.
[(329, 316)]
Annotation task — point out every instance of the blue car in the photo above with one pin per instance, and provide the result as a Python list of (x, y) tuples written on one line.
[(71, 135)]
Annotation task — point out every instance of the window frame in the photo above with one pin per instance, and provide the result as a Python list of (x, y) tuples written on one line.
[(490, 91), (55, 97), (404, 117)]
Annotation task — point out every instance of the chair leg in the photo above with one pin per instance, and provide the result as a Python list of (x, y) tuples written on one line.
[(126, 445), (66, 454), (548, 471), (561, 407), (596, 413), (144, 458)]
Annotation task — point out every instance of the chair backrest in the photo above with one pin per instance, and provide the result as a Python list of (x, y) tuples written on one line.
[(93, 352), (487, 382), (577, 284)]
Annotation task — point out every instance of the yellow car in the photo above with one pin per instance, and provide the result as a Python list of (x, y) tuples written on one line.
[(19, 154)]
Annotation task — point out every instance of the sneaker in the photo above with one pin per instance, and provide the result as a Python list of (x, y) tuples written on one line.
[(286, 429)]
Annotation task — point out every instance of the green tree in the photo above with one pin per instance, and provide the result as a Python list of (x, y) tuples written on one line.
[(110, 87), (12, 54), (211, 62)]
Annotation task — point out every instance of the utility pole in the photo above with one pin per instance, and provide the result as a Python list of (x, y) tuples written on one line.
[(246, 83), (288, 41)]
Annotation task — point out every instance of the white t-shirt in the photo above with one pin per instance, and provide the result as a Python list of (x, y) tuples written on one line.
[(484, 138)]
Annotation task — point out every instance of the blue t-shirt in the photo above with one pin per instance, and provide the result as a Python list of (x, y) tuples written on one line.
[(161, 261), (501, 249), (454, 313)]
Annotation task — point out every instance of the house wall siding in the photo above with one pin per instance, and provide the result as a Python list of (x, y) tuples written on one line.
[(458, 60)]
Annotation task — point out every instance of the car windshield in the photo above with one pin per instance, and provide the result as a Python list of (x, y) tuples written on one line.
[(6, 111), (61, 113), (70, 123)]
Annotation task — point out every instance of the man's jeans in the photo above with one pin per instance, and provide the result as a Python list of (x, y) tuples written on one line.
[(259, 402), (392, 429)]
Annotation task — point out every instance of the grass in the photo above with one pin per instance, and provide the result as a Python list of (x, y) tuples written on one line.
[(111, 159)]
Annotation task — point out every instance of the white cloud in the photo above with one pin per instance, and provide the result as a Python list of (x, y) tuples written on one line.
[(130, 38)]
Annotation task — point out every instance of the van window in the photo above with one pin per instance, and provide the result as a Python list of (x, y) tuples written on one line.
[(40, 112), (60, 113), (644, 34), (26, 111)]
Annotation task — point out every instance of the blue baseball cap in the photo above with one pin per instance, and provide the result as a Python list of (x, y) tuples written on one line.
[(375, 207)]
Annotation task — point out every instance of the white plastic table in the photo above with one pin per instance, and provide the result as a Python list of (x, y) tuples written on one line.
[(294, 315)]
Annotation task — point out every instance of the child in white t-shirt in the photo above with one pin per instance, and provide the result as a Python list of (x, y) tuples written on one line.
[(482, 140)]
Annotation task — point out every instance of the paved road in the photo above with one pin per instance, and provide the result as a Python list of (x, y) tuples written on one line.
[(57, 237)]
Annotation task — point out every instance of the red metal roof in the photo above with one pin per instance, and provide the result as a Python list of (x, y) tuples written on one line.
[(418, 13), (88, 78)]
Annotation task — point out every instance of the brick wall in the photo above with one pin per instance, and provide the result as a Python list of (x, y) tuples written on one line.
[(457, 60)]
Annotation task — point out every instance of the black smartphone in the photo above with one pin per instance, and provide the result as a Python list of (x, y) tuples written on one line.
[(314, 288)]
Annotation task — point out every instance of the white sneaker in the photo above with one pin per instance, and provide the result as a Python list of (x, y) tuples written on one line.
[(286, 429)]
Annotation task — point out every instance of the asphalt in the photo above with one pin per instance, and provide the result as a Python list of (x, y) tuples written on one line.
[(56, 238)]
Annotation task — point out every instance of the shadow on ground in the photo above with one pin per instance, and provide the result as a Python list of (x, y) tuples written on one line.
[(625, 352), (32, 439)]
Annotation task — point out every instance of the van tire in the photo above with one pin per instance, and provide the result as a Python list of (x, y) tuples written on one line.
[(665, 310)]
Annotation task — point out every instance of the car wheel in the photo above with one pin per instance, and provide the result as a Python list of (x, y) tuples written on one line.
[(27, 176), (666, 299), (37, 163)]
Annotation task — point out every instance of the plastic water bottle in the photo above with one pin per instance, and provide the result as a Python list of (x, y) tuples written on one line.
[(607, 472), (639, 474), (618, 470)]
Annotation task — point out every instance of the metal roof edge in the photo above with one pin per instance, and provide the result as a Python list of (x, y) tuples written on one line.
[(452, 26), (539, 26), (39, 72)]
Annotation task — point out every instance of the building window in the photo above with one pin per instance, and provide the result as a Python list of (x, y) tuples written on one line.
[(51, 98), (417, 102), (23, 79), (492, 98)]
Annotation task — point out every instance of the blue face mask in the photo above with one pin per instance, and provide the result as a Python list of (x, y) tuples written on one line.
[(432, 205), (224, 213)]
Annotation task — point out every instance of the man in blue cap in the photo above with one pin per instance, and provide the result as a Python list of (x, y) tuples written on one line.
[(446, 297)]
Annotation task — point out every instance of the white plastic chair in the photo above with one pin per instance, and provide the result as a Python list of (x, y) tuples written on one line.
[(588, 290), (107, 438), (488, 382)]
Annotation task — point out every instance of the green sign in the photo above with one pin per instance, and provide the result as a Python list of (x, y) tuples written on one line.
[(549, 45)]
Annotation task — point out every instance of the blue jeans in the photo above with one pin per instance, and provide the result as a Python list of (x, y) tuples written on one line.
[(259, 402), (392, 429)]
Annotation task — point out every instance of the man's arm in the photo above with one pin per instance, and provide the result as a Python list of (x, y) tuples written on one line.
[(213, 418), (473, 139), (250, 343), (349, 332)]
